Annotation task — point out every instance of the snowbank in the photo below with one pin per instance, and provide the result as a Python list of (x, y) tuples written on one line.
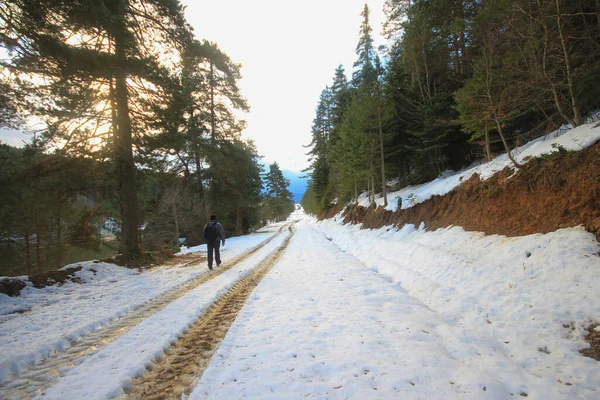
[(531, 296), (41, 321)]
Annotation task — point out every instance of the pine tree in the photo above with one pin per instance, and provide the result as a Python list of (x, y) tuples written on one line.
[(364, 64), (350, 154), (428, 62), (47, 206), (322, 130), (341, 96), (488, 100), (235, 191), (279, 200), (116, 42)]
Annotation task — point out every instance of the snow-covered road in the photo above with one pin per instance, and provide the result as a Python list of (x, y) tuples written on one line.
[(322, 325), (344, 313), (47, 327)]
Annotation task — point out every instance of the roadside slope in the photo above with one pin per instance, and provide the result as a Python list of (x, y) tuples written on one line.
[(556, 191)]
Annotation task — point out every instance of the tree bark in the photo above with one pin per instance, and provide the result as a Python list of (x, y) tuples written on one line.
[(383, 187), (488, 152), (38, 240), (577, 118), (58, 238), (510, 157), (113, 115), (238, 222), (129, 246), (27, 252), (199, 178), (555, 92), (598, 12), (213, 117), (174, 209), (373, 186)]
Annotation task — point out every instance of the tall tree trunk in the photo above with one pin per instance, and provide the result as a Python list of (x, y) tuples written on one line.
[(555, 91), (455, 45), (598, 12), (488, 152), (501, 133), (186, 173), (369, 189), (577, 118), (38, 244), (27, 251), (373, 185), (496, 110), (404, 162), (383, 186), (113, 115), (404, 171), (93, 210), (58, 237), (559, 106), (213, 118), (197, 135), (464, 58), (176, 218), (130, 245), (238, 221), (199, 178)]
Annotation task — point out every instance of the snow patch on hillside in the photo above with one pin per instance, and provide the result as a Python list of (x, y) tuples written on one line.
[(573, 139)]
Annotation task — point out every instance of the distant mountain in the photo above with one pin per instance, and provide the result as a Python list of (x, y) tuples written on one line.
[(297, 184)]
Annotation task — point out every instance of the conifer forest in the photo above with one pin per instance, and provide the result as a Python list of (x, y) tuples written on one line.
[(141, 134), (458, 81)]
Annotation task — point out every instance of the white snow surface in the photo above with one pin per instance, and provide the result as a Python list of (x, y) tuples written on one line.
[(41, 321), (412, 314), (106, 373), (350, 313), (570, 139)]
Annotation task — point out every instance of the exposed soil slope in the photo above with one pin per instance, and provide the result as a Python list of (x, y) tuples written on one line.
[(549, 193)]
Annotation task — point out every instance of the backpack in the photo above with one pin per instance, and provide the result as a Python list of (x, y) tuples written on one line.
[(211, 233)]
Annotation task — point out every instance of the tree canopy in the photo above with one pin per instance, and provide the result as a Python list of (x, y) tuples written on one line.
[(457, 81), (141, 131)]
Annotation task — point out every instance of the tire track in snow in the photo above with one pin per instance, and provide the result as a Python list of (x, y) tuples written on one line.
[(176, 374), (37, 378)]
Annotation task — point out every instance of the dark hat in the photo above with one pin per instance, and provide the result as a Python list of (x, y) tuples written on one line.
[(213, 217)]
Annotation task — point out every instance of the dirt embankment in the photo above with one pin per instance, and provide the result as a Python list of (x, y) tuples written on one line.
[(549, 193)]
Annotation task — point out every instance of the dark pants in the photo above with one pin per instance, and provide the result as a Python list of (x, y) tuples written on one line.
[(213, 246)]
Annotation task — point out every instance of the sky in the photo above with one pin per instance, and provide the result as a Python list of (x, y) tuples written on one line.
[(289, 52)]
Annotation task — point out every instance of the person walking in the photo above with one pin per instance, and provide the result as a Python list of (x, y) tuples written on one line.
[(214, 236)]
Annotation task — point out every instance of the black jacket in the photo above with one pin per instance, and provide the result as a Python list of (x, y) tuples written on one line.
[(220, 230)]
